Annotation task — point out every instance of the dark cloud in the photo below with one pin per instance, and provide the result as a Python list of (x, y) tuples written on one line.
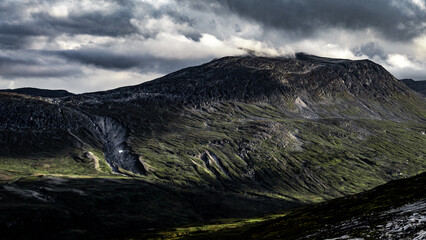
[(12, 41), (13, 70), (6, 60), (93, 23), (29, 64), (143, 63), (401, 21), (9, 10), (114, 23), (19, 72), (22, 30), (104, 59), (371, 50), (193, 35)]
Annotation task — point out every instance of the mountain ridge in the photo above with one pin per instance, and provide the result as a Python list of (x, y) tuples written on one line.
[(37, 92), (224, 71), (304, 86)]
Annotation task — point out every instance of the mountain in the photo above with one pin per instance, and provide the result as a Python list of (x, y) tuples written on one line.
[(306, 86), (418, 86), (238, 136), (36, 92)]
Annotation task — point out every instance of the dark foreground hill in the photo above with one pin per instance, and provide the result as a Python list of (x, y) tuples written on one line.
[(396, 210), (268, 133)]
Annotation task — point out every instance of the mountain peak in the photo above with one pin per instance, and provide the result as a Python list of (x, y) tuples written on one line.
[(244, 75)]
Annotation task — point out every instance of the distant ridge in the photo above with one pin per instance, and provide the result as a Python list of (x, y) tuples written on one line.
[(36, 92), (418, 86)]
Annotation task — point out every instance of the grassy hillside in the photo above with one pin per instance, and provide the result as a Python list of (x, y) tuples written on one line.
[(257, 148)]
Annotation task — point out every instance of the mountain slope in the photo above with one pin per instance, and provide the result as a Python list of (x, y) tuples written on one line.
[(248, 122)]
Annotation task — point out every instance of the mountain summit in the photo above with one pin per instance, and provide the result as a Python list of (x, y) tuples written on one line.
[(304, 86)]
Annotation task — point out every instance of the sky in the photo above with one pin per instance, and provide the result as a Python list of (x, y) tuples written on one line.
[(93, 45)]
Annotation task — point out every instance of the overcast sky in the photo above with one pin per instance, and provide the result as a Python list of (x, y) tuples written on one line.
[(90, 45)]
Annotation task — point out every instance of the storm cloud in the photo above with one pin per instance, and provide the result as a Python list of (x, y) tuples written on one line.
[(109, 60), (93, 45), (29, 64), (399, 20)]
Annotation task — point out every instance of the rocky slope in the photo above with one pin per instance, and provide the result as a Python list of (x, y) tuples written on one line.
[(291, 130), (306, 86)]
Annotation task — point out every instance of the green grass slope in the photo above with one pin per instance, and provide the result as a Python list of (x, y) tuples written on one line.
[(257, 148)]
